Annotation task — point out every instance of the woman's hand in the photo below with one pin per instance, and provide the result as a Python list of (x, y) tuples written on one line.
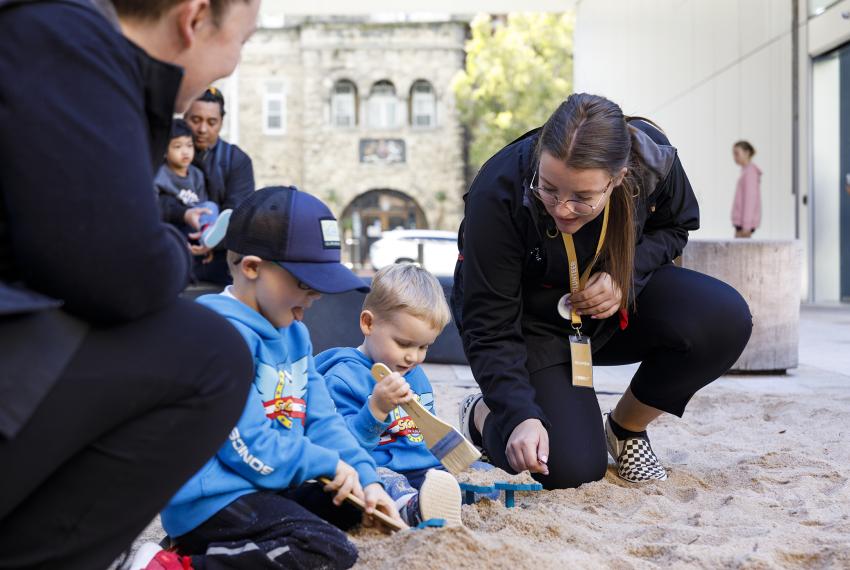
[(528, 447), (599, 299)]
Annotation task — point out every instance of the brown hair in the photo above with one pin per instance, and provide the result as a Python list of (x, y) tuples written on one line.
[(154, 9), (589, 131), (746, 147), (409, 288)]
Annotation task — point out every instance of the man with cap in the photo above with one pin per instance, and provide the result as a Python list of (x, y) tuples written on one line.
[(253, 505), (228, 172)]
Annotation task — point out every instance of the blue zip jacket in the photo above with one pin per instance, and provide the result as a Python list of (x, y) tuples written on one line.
[(395, 443), (289, 432)]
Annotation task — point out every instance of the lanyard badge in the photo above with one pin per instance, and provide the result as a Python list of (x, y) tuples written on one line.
[(580, 353)]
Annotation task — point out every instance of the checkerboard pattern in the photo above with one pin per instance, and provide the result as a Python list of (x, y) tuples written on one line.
[(636, 462)]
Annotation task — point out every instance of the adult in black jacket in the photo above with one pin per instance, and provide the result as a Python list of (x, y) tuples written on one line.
[(113, 391), (588, 163), (228, 171)]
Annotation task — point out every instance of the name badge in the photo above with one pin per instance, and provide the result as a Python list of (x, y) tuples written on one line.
[(582, 361)]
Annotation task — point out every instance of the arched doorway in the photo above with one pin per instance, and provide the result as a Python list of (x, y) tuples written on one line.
[(372, 213)]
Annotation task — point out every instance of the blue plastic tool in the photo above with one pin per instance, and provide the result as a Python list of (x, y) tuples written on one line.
[(432, 523), (511, 488), (469, 491)]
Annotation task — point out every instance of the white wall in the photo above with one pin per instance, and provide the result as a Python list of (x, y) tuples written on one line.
[(710, 73), (824, 198)]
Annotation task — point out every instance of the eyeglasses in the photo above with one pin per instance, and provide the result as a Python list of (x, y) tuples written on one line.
[(579, 207)]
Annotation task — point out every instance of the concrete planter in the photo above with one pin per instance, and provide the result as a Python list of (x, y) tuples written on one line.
[(768, 274)]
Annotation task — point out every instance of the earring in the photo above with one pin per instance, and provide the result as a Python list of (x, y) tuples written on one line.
[(553, 234)]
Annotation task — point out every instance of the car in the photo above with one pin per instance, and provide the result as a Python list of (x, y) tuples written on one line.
[(402, 246)]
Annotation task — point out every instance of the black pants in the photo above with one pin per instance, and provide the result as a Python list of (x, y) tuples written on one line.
[(138, 410), (286, 529), (688, 330)]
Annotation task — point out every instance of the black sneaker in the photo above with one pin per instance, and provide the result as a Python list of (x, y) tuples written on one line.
[(636, 462)]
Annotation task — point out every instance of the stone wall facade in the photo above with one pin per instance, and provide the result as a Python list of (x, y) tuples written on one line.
[(306, 60)]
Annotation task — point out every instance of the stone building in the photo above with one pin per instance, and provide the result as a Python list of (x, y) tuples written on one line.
[(359, 113)]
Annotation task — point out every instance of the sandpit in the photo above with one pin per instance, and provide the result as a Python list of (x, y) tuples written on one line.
[(755, 481)]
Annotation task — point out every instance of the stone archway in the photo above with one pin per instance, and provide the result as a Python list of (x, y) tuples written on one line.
[(373, 212)]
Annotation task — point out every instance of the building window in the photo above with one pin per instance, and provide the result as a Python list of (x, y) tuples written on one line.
[(423, 105), (383, 106), (274, 109), (344, 104)]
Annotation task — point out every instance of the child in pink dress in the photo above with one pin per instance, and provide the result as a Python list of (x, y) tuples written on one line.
[(746, 209)]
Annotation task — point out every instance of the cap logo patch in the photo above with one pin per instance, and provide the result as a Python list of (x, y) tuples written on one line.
[(330, 233)]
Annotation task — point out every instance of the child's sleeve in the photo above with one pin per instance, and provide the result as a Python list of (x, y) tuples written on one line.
[(328, 428), (354, 408), (271, 457)]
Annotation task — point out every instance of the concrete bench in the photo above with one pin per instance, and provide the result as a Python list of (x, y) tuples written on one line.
[(768, 274)]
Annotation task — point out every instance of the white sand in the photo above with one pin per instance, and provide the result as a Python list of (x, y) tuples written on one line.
[(755, 481)]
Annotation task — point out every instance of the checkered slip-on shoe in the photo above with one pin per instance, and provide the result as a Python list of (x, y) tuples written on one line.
[(636, 462), (465, 416)]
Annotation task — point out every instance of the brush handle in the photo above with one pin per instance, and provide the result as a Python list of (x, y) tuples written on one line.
[(359, 504)]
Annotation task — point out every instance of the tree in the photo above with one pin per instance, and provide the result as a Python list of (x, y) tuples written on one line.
[(518, 70)]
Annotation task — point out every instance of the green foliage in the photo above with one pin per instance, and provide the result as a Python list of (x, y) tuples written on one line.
[(518, 70)]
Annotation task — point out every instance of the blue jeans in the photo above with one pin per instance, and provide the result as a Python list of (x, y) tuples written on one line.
[(407, 484)]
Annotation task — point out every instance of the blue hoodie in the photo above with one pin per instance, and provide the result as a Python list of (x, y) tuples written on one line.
[(289, 432), (395, 443)]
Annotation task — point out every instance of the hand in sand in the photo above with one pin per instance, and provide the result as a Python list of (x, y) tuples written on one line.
[(528, 447), (345, 482), (377, 498), (391, 391)]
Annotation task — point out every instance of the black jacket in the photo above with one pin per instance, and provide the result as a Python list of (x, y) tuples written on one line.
[(85, 114), (510, 274)]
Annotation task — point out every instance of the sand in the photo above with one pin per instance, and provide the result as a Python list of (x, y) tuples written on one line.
[(755, 481), (490, 477)]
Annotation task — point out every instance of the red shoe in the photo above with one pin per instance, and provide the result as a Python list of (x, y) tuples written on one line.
[(165, 560), (150, 556)]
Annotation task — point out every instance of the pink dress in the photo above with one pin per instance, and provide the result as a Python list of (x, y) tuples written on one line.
[(746, 209)]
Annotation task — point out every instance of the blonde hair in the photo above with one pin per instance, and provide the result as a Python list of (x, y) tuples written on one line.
[(409, 288)]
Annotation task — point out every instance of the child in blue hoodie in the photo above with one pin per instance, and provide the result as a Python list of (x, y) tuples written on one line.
[(254, 505), (402, 316)]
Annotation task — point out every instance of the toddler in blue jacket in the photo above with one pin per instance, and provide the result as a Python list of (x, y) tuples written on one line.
[(256, 504), (402, 316)]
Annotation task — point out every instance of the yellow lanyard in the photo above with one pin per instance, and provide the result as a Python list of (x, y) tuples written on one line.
[(576, 283)]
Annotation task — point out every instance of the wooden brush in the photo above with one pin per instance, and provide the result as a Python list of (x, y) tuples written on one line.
[(385, 519), (444, 441)]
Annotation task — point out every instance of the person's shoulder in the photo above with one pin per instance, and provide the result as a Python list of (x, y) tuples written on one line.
[(503, 175), (196, 174), (239, 155), (74, 26), (651, 130)]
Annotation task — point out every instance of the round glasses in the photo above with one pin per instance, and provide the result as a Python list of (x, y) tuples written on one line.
[(578, 207)]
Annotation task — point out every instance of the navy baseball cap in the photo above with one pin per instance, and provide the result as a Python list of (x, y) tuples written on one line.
[(295, 230)]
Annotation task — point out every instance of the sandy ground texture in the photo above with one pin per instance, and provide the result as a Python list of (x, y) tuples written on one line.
[(758, 478), (754, 482)]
